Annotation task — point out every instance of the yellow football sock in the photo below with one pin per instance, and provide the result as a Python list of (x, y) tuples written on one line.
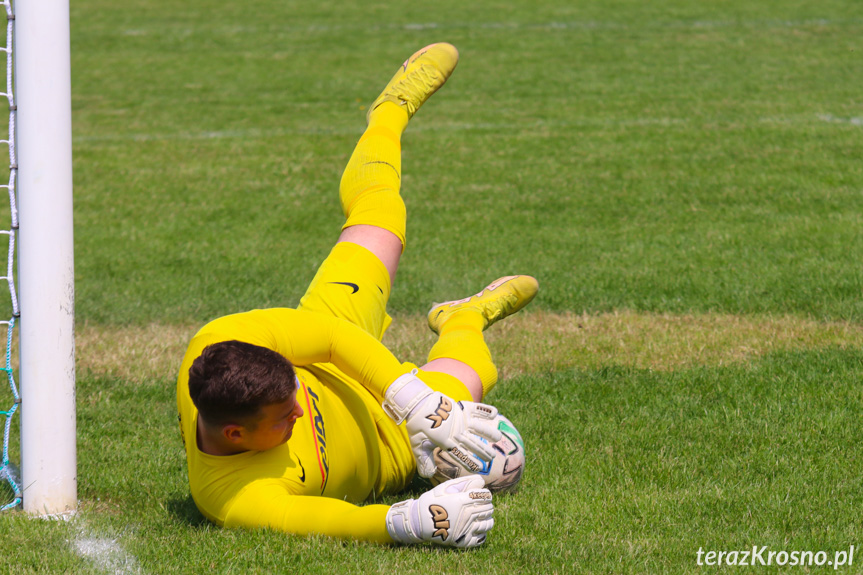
[(391, 115), (461, 339), (369, 190)]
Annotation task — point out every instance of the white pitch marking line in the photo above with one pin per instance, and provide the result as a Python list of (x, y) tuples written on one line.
[(834, 120), (758, 24), (106, 554)]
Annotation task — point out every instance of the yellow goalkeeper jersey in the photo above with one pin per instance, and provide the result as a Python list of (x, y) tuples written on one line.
[(344, 449)]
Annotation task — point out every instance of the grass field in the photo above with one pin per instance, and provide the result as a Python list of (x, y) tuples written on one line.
[(684, 178)]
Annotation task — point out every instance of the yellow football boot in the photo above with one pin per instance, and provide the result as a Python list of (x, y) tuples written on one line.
[(419, 77), (500, 298)]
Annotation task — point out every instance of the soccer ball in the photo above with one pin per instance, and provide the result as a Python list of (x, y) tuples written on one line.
[(501, 474)]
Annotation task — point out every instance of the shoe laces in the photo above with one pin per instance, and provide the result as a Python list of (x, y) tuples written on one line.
[(411, 88), (501, 305)]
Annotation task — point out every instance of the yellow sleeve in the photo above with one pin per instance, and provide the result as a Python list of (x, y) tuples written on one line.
[(268, 504), (307, 337)]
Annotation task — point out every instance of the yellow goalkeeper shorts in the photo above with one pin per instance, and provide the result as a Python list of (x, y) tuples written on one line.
[(353, 284)]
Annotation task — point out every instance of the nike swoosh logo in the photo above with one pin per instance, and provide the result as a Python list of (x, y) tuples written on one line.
[(303, 476), (355, 287)]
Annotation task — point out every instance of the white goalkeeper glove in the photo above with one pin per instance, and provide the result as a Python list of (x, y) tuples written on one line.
[(456, 513), (435, 420)]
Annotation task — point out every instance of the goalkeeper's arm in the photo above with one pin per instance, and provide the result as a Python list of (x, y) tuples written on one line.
[(456, 513), (306, 338), (432, 419)]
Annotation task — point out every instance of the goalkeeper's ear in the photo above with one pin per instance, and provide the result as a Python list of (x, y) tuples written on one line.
[(233, 433)]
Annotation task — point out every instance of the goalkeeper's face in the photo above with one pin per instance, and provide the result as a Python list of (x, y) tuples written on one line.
[(274, 425)]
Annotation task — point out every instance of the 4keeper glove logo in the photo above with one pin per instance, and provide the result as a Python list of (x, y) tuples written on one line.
[(441, 521), (441, 413)]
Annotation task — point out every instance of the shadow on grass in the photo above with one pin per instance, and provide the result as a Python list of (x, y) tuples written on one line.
[(185, 511)]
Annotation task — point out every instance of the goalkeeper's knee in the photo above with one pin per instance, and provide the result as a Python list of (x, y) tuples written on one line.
[(379, 206)]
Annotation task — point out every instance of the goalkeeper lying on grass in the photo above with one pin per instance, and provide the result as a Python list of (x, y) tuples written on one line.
[(291, 417)]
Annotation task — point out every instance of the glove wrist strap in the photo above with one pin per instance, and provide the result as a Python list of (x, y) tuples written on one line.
[(399, 523), (403, 395)]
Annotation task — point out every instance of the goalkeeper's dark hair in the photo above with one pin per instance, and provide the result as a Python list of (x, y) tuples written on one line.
[(231, 381)]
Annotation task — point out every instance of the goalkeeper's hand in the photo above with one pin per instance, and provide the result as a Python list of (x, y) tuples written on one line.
[(456, 513), (434, 420)]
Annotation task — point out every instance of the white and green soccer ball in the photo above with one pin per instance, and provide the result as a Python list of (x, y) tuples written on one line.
[(501, 474)]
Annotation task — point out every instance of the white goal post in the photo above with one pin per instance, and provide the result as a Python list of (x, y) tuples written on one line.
[(45, 262)]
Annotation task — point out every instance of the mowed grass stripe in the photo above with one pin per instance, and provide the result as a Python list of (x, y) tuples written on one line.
[(525, 343), (524, 129)]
